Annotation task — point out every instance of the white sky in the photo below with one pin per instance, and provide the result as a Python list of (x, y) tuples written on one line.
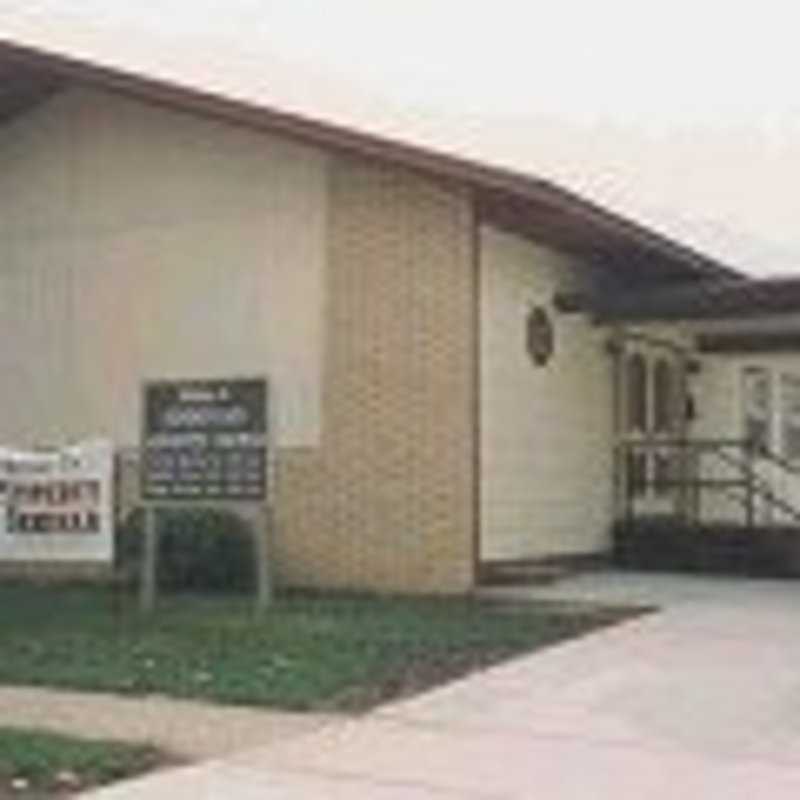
[(683, 115)]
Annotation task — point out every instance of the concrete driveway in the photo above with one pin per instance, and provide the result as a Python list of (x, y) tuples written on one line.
[(701, 700)]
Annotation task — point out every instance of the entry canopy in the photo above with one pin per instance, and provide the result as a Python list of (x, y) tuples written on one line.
[(723, 299)]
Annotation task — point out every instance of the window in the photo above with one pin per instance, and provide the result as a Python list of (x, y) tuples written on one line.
[(637, 393), (757, 406), (790, 417), (663, 397)]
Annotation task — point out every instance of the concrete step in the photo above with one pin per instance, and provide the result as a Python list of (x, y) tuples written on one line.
[(523, 573)]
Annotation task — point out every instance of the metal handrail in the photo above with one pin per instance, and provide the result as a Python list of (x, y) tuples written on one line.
[(787, 466), (716, 444), (751, 482), (760, 487), (695, 444)]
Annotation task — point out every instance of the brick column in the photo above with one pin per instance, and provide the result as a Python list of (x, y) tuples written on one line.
[(387, 502)]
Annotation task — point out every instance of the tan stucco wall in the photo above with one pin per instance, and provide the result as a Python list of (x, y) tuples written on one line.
[(546, 433), (136, 242)]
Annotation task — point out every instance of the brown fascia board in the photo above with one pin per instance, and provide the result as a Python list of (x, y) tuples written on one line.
[(480, 177)]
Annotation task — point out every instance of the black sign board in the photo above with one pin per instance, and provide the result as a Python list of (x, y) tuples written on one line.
[(205, 440)]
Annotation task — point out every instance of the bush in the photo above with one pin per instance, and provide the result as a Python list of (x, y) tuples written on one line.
[(198, 550), (668, 544)]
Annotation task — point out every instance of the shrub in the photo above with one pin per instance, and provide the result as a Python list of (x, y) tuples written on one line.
[(198, 550), (667, 544)]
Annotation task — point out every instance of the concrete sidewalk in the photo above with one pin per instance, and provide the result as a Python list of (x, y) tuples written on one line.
[(190, 730), (699, 701)]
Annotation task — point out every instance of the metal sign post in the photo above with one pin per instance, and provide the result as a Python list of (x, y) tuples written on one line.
[(147, 583), (206, 443)]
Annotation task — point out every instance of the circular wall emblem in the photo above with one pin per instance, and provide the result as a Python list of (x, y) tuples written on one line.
[(540, 336)]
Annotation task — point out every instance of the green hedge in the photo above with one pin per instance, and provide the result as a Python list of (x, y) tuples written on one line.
[(198, 550), (666, 544)]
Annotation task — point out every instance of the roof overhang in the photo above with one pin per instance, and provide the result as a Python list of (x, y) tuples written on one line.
[(513, 201), (727, 299), (750, 342), (22, 87)]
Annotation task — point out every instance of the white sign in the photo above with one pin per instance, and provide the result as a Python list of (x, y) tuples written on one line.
[(57, 505)]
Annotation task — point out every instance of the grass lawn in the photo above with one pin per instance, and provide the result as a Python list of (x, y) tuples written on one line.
[(307, 653), (44, 765)]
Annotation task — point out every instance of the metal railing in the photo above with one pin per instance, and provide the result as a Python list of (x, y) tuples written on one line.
[(673, 477)]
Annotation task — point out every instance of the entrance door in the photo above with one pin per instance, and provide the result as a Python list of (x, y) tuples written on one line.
[(652, 422)]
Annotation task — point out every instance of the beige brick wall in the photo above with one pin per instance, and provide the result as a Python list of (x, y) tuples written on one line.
[(387, 501)]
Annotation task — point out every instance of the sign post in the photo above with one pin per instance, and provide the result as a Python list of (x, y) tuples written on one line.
[(205, 443), (147, 585)]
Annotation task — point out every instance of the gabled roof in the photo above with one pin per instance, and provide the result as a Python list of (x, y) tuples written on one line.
[(525, 204)]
